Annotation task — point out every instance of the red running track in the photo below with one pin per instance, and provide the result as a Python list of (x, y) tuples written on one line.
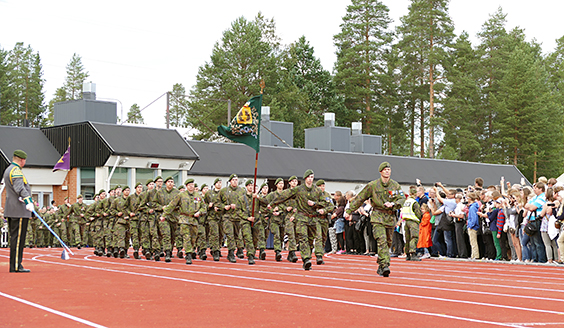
[(346, 291)]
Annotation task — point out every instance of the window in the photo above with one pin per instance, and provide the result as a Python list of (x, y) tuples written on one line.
[(120, 177), (87, 182), (142, 175)]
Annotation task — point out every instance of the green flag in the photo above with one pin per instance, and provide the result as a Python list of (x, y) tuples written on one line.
[(245, 127)]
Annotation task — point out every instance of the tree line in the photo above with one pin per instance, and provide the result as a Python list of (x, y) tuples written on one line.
[(427, 91)]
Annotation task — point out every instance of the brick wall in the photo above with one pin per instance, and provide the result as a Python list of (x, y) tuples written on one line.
[(70, 181)]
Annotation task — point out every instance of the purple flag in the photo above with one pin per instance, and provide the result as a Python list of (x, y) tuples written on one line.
[(64, 162)]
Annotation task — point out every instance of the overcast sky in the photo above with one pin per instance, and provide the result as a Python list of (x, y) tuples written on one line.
[(136, 50)]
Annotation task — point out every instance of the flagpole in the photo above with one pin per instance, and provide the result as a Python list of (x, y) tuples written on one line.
[(262, 85)]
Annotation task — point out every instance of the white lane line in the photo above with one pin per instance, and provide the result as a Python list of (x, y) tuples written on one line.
[(44, 308), (280, 293)]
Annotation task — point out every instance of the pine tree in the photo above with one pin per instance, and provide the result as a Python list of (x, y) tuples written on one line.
[(361, 44), (426, 37), (134, 115), (76, 75), (238, 63), (176, 115)]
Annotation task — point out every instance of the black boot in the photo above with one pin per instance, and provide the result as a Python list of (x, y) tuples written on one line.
[(251, 259), (383, 270), (136, 254), (231, 256), (148, 256), (412, 257), (179, 253), (116, 252), (215, 255), (157, 256), (320, 260), (188, 258), (240, 253), (96, 251), (262, 254), (109, 252), (121, 253), (292, 257), (278, 256), (203, 255), (307, 265), (168, 256)]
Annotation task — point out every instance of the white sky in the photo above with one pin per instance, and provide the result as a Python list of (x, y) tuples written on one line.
[(136, 50)]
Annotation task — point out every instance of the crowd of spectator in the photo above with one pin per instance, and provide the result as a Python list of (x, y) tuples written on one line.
[(507, 222)]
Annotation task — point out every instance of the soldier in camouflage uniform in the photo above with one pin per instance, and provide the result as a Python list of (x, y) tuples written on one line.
[(109, 221), (167, 226), (101, 212), (120, 212), (203, 229), (290, 225), (76, 215), (247, 217), (63, 217), (310, 203), (31, 236), (386, 197), (190, 207), (277, 218), (229, 198), (147, 224), (259, 236), (324, 219), (214, 215), (41, 229), (131, 205)]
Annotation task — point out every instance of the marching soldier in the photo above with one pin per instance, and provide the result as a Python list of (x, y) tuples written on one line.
[(147, 222), (259, 237), (230, 197), (120, 211), (247, 217), (203, 229), (167, 225), (309, 204), (190, 207), (386, 197), (214, 215), (290, 224), (131, 206), (76, 216), (277, 219), (324, 219)]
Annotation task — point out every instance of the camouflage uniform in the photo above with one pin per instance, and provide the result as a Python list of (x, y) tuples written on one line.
[(31, 237), (290, 224), (411, 216), (324, 223), (307, 226), (120, 212), (147, 222), (382, 218), (231, 219), (214, 214), (168, 227), (246, 231), (63, 216), (102, 213), (277, 220), (188, 205), (77, 211), (131, 206)]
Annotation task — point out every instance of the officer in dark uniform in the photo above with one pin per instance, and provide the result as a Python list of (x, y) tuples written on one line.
[(17, 212)]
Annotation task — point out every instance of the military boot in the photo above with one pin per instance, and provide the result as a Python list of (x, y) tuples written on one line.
[(320, 260), (136, 254), (109, 252), (292, 257), (121, 253), (215, 255), (179, 253), (240, 253), (383, 270), (168, 255), (251, 259), (96, 251), (148, 256), (188, 258), (203, 255), (116, 252), (278, 256), (307, 265), (231, 256), (157, 256), (262, 254)]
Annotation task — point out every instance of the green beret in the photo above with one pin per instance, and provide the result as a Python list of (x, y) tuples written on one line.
[(20, 153), (320, 182), (149, 181), (138, 184), (232, 176), (101, 191), (125, 187), (168, 178), (190, 180), (307, 173), (204, 185), (157, 178), (383, 166), (118, 186), (412, 190), (248, 182), (278, 180), (196, 185), (79, 196), (216, 181), (293, 177), (263, 185), (66, 197)]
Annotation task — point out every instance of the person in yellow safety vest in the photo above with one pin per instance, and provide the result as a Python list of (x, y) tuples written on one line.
[(411, 215)]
